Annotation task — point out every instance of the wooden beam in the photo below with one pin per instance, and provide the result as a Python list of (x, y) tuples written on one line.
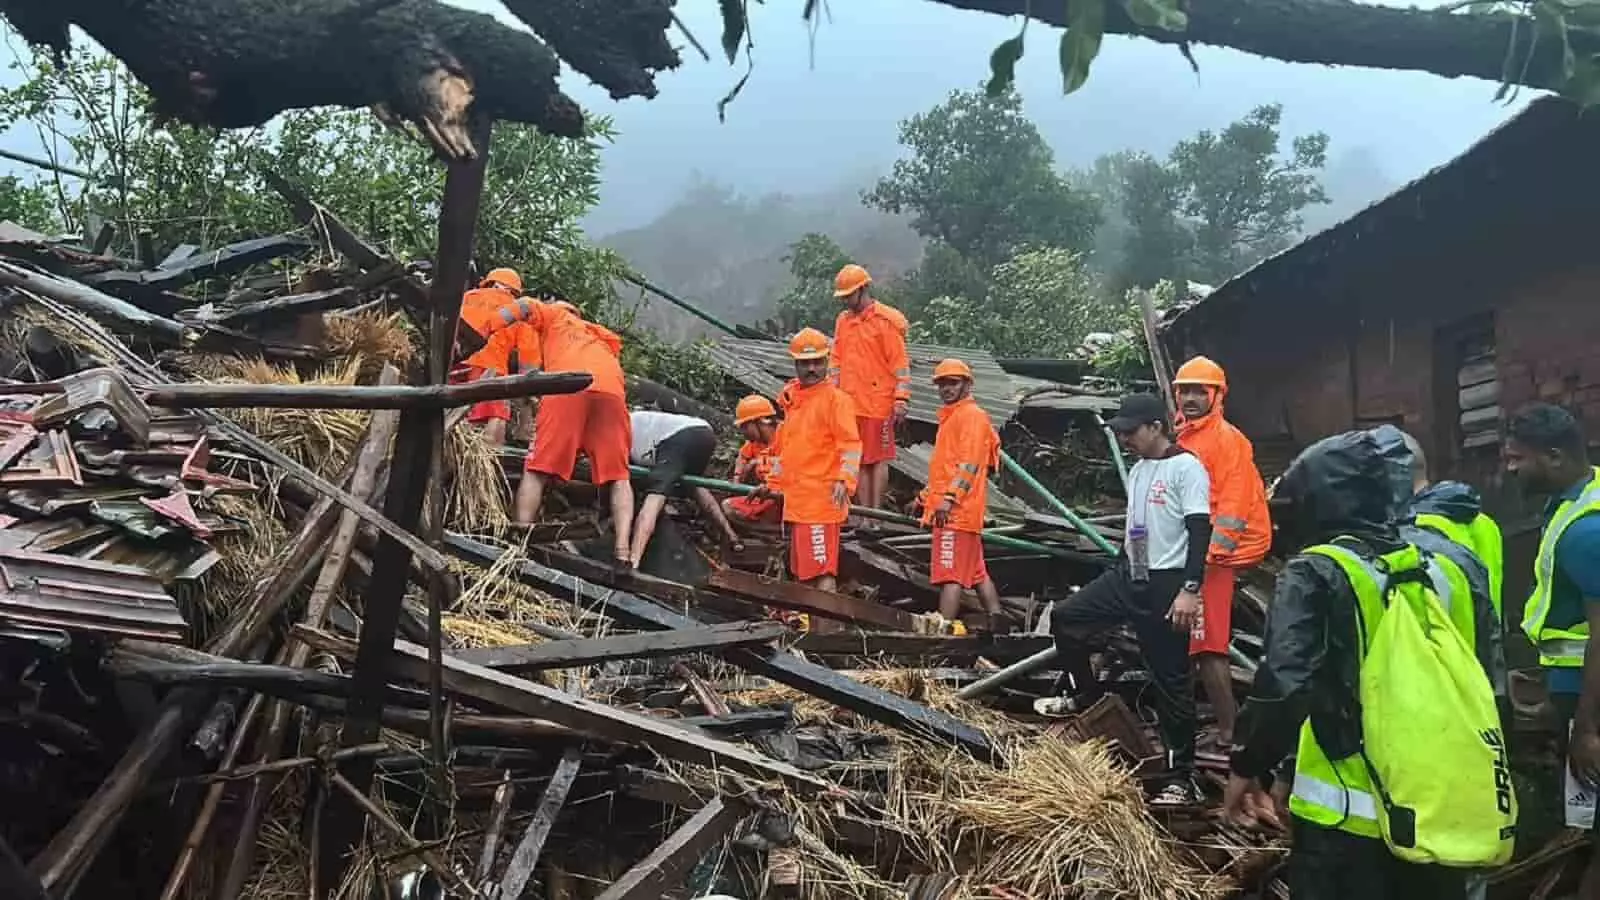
[(369, 463), (417, 449), (407, 397), (582, 715), (653, 875), (779, 665), (62, 863), (526, 857), (589, 651), (804, 597)]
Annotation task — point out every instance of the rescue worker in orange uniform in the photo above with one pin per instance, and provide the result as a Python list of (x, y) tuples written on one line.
[(870, 363), (595, 420), (1241, 530), (817, 462), (480, 310), (965, 451), (757, 419)]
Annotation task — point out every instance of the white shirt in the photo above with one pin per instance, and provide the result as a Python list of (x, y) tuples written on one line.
[(650, 428), (1160, 493)]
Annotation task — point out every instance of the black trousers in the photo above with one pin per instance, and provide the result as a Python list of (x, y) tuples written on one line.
[(1328, 864), (1114, 599)]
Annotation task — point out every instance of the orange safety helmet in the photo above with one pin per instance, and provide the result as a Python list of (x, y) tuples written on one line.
[(808, 343), (1201, 370), (567, 305), (850, 279), (952, 368), (752, 408), (506, 278)]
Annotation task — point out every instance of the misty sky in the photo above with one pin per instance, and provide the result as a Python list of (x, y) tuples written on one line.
[(799, 127), (803, 125)]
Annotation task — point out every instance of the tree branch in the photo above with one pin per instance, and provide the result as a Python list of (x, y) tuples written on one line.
[(1339, 33)]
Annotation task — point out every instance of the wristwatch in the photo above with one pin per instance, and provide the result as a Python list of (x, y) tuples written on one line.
[(1191, 587)]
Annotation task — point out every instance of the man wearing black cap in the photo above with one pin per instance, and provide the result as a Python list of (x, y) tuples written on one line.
[(1153, 587)]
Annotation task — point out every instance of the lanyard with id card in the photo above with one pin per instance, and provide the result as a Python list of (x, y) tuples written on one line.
[(1138, 540)]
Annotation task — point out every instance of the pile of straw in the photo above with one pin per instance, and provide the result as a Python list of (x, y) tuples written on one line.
[(377, 338), (1059, 820)]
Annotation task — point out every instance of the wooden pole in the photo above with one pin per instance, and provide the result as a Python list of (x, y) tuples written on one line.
[(424, 397), (421, 437), (369, 461), (61, 864)]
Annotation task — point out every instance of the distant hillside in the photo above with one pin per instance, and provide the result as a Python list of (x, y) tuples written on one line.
[(726, 252), (1354, 180)]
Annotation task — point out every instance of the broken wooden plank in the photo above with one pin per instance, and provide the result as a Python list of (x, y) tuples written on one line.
[(217, 263), (91, 302), (62, 863), (650, 878), (286, 308), (526, 856), (587, 716), (504, 794), (779, 665), (805, 598), (589, 651)]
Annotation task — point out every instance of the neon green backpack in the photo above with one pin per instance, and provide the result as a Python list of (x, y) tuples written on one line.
[(1432, 736)]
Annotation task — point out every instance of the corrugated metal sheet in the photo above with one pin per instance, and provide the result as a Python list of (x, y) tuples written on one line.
[(47, 590), (764, 366), (913, 463)]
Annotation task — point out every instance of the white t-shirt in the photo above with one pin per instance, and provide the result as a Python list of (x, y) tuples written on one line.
[(650, 428), (1160, 493)]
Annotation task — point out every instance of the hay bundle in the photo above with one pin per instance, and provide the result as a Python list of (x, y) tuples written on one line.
[(320, 439), (377, 338)]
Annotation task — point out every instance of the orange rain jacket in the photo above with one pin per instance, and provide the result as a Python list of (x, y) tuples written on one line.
[(870, 362), (966, 450), (555, 339), (1241, 529), (817, 444), (755, 458), (480, 308)]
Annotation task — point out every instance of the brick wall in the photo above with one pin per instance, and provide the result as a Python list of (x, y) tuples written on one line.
[(1549, 345)]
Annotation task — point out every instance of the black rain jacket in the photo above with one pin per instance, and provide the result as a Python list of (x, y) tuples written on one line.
[(1336, 488)]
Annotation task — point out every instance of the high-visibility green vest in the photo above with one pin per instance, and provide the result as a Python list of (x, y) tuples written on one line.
[(1482, 537), (1337, 793), (1558, 646)]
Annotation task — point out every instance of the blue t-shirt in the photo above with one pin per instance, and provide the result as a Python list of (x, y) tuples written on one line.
[(1577, 577)]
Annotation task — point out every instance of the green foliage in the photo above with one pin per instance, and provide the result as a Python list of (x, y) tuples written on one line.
[(1080, 41), (813, 260), (981, 179), (1220, 201), (1039, 303), (186, 185), (1565, 23)]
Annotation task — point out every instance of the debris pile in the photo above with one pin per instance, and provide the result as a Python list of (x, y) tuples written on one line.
[(196, 711)]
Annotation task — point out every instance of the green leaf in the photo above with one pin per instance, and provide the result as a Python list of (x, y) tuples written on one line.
[(722, 105), (1167, 15), (1003, 64), (733, 26), (1086, 26)]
